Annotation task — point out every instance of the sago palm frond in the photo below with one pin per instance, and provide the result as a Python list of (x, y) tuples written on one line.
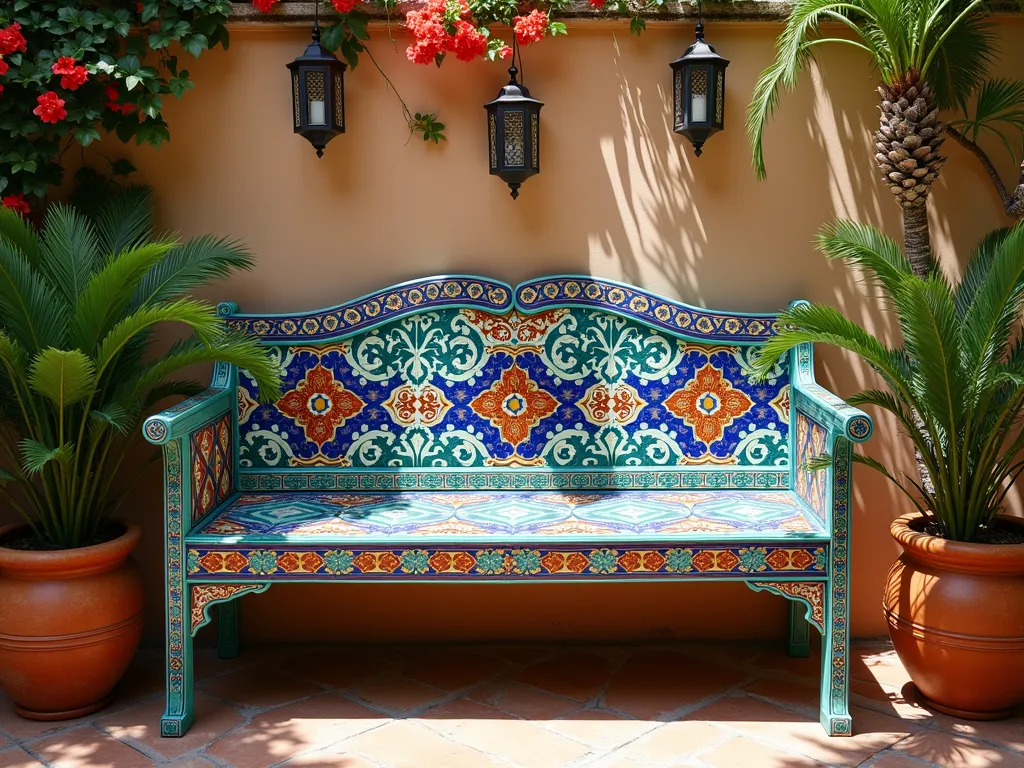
[(865, 247), (190, 265)]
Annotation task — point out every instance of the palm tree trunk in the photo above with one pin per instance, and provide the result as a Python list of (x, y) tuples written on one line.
[(917, 241)]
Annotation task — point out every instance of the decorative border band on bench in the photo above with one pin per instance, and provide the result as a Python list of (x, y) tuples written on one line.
[(496, 481), (493, 296), (329, 562)]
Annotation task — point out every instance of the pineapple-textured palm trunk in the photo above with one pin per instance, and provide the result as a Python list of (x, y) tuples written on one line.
[(907, 142)]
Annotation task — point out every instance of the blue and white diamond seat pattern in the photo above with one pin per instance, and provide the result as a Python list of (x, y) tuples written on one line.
[(501, 516)]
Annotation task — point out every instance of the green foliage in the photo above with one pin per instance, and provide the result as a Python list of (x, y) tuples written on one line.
[(79, 300), (124, 45), (955, 385), (948, 43)]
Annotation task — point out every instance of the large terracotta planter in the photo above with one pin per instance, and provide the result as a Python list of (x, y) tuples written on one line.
[(956, 617), (70, 621)]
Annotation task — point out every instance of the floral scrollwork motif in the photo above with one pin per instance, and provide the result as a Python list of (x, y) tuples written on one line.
[(812, 593), (205, 595)]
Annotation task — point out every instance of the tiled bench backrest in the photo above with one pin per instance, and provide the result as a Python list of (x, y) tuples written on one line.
[(561, 383)]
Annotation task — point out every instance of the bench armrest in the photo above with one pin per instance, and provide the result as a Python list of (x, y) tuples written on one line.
[(180, 420), (816, 402)]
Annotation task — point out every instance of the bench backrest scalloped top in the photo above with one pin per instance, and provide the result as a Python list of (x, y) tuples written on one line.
[(561, 383)]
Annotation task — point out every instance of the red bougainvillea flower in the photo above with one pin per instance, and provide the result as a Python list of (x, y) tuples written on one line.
[(344, 6), (531, 28), (12, 40), (263, 6), (113, 104), (72, 76), (4, 66), (51, 108), (505, 51), (17, 204), (597, 3), (467, 43)]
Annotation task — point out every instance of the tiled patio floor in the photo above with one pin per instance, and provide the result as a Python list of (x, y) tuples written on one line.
[(606, 706)]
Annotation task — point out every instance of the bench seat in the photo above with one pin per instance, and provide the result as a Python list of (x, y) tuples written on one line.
[(456, 429), (512, 516)]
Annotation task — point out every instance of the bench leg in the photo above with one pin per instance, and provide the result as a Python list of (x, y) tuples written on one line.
[(179, 712), (798, 637), (229, 629)]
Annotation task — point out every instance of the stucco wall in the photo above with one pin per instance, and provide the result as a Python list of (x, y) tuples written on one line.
[(620, 196)]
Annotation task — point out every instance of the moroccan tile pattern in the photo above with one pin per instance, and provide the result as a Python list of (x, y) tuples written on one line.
[(211, 466), (701, 705)]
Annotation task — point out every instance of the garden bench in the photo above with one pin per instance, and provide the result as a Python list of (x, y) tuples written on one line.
[(456, 429)]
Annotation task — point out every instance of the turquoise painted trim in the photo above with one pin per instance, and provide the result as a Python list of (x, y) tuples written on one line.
[(519, 541), (808, 605), (179, 707), (183, 418), (491, 581), (692, 478), (821, 405), (373, 309)]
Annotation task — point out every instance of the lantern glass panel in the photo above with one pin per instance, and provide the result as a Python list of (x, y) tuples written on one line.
[(535, 141), (316, 97), (698, 96), (339, 101), (494, 141), (515, 152), (720, 97), (295, 97), (678, 95)]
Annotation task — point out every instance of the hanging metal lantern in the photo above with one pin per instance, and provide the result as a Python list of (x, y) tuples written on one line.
[(318, 94), (513, 131), (698, 92)]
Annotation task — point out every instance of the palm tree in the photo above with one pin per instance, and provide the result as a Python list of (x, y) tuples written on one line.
[(956, 383), (931, 55), (78, 303)]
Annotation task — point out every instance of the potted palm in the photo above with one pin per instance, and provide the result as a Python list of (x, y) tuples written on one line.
[(956, 388), (79, 300)]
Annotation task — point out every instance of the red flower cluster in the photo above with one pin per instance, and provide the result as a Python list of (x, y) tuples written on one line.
[(531, 28), (51, 108), (112, 103), (429, 29), (17, 204), (344, 6), (264, 5), (597, 3), (11, 40), (72, 76)]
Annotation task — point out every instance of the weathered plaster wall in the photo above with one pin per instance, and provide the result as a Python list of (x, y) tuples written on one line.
[(620, 196)]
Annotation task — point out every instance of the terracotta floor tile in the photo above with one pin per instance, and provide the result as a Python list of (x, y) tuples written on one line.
[(87, 747), (341, 668), (488, 730), (294, 729), (141, 725), (889, 700), (578, 674), (332, 757), (787, 692), (16, 757), (802, 733), (889, 760), (208, 664), (520, 654), (396, 693), (675, 740), (777, 660), (450, 669), (4, 741), (523, 701), (616, 761), (259, 687), (1007, 733), (748, 753), (191, 762), (952, 751), (600, 729), (19, 728), (409, 744), (653, 682), (144, 679), (880, 665)]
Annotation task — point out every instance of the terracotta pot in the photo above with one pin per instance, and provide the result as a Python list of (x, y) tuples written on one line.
[(956, 617), (70, 621)]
